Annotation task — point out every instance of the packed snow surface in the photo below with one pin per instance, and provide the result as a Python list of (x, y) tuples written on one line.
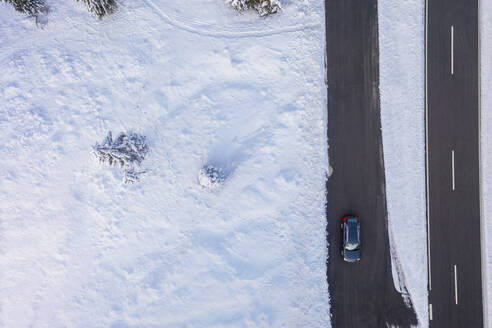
[(402, 77), (203, 84)]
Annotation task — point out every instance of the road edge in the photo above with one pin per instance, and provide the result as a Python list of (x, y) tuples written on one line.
[(429, 279), (483, 223)]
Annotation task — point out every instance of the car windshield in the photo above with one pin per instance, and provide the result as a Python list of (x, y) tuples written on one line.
[(352, 236)]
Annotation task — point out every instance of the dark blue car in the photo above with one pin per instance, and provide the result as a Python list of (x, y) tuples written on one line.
[(351, 238)]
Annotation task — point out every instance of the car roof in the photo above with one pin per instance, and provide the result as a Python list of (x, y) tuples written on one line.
[(352, 237)]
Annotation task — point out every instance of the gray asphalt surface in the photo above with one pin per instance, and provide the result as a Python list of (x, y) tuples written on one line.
[(362, 294), (455, 285)]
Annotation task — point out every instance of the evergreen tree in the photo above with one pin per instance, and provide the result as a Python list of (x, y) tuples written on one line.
[(30, 7), (125, 151), (211, 176), (100, 7), (262, 7)]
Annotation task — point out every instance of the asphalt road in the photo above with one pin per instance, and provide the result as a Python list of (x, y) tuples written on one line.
[(455, 280), (362, 294)]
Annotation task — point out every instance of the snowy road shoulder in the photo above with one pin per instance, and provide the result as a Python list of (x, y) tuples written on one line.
[(401, 37), (486, 146)]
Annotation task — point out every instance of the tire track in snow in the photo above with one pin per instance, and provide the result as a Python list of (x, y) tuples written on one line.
[(226, 34)]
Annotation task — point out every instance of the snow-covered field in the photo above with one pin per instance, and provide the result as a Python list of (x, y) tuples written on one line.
[(402, 76), (78, 248), (486, 140)]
